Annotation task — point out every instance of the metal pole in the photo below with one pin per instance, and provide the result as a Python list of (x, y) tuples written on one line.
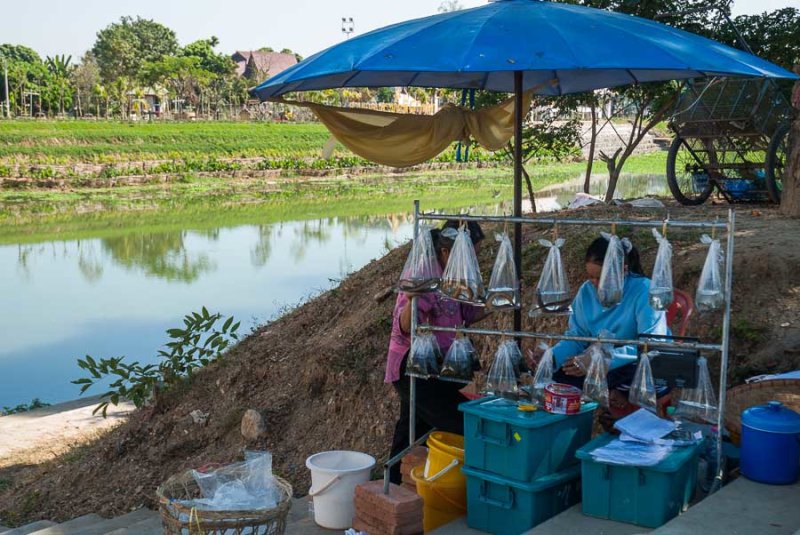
[(412, 382), (726, 328), (586, 222), (518, 116)]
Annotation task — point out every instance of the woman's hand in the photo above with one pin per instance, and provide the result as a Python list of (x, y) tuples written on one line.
[(532, 358), (572, 367)]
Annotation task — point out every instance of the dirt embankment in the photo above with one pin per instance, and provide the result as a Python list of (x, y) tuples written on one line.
[(317, 372)]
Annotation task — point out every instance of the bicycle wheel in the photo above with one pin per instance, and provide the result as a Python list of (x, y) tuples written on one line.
[(776, 161), (688, 170)]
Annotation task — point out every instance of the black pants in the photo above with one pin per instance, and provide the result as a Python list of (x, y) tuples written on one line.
[(437, 407)]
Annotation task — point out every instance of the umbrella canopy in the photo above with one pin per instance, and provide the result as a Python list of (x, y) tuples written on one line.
[(481, 48)]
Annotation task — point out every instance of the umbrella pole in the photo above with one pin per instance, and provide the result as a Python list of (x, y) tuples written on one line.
[(518, 115)]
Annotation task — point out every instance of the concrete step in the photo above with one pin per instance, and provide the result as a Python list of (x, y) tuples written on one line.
[(30, 528), (124, 521), (574, 521), (742, 507), (151, 526), (72, 527)]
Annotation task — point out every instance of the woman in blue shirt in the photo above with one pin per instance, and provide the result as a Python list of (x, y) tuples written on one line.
[(626, 320)]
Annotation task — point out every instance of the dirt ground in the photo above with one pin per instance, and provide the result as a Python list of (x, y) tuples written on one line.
[(317, 373)]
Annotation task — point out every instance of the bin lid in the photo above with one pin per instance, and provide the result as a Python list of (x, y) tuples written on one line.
[(772, 417), (501, 410), (672, 463), (537, 485)]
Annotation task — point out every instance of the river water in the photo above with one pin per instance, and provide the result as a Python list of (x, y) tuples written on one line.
[(116, 294)]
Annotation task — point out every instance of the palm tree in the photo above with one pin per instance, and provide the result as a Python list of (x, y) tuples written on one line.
[(60, 66)]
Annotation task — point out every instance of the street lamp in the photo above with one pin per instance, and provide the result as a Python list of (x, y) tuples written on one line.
[(5, 80), (348, 26)]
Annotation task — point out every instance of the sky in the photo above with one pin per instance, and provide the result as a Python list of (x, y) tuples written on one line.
[(306, 26)]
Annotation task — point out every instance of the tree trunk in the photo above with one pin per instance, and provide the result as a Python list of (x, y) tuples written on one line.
[(530, 189), (790, 197), (592, 147)]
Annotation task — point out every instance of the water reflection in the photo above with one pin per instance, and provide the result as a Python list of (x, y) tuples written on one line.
[(163, 255)]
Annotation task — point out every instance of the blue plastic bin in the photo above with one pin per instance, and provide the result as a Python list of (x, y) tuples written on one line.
[(500, 439), (646, 496), (507, 507)]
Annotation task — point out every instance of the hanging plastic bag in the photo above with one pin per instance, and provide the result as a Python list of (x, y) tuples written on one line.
[(661, 290), (423, 361), (503, 291), (552, 291), (612, 276), (461, 279), (543, 375), (595, 385), (459, 362), (699, 404), (502, 377), (421, 272), (710, 294), (643, 387)]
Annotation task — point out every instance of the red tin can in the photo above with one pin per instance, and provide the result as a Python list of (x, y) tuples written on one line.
[(562, 399)]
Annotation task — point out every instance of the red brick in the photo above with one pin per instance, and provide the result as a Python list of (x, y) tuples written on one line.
[(399, 500), (381, 518)]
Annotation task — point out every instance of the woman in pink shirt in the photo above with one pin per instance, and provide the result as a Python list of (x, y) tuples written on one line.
[(437, 401)]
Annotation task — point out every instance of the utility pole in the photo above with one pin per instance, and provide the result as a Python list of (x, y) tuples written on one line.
[(5, 81), (348, 26)]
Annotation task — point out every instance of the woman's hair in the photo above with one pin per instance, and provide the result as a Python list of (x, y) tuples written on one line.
[(596, 253), (445, 240), (475, 231)]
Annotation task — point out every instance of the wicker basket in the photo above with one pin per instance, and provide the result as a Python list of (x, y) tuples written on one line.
[(739, 398), (179, 519)]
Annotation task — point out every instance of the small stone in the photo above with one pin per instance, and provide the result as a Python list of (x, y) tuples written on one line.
[(253, 425), (199, 417), (786, 324)]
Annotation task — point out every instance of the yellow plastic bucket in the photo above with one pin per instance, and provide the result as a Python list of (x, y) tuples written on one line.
[(443, 501), (443, 450)]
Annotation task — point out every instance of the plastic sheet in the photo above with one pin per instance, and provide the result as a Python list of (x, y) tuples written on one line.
[(643, 387), (425, 356), (710, 293), (630, 453), (245, 486), (661, 289), (699, 404), (552, 291), (612, 276), (543, 375), (502, 377), (459, 362), (421, 272), (503, 290), (595, 386), (461, 279)]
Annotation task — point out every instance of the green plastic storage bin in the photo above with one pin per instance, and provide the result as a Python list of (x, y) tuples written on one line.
[(646, 496), (501, 439), (507, 507)]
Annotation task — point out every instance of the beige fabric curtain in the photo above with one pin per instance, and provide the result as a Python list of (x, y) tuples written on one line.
[(401, 140)]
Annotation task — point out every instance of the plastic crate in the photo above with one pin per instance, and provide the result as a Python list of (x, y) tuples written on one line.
[(507, 507), (645, 496), (502, 440)]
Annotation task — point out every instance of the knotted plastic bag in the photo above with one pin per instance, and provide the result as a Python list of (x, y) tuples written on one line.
[(661, 290), (421, 272), (459, 361), (502, 377), (612, 276), (643, 387), (461, 279), (423, 361), (699, 404), (595, 386), (503, 291), (552, 291), (543, 375), (710, 294)]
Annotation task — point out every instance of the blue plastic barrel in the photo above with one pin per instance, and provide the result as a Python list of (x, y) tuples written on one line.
[(771, 444)]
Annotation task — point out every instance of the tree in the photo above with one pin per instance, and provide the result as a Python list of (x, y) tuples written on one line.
[(773, 36), (450, 5), (85, 77), (183, 75), (61, 68), (123, 47), (790, 196), (209, 60)]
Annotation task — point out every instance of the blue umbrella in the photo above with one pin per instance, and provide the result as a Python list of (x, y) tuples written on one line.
[(514, 46)]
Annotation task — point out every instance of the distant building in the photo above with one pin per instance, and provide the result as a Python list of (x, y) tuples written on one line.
[(258, 65)]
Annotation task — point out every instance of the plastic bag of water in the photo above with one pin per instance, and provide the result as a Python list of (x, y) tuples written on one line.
[(503, 291), (643, 387), (421, 272), (552, 291), (710, 293), (612, 276), (502, 377), (543, 375), (661, 290), (423, 361), (462, 279)]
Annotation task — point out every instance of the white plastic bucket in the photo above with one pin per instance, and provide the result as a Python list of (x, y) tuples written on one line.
[(334, 477)]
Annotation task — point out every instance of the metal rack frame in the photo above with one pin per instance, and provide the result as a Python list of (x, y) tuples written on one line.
[(723, 347)]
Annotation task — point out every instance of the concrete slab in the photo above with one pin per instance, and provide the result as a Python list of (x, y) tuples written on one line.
[(27, 529), (574, 521), (151, 526), (70, 527), (457, 527), (307, 526), (123, 521), (742, 507)]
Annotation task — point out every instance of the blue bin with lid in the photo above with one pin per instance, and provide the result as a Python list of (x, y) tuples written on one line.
[(770, 449), (645, 496), (503, 440), (508, 507)]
